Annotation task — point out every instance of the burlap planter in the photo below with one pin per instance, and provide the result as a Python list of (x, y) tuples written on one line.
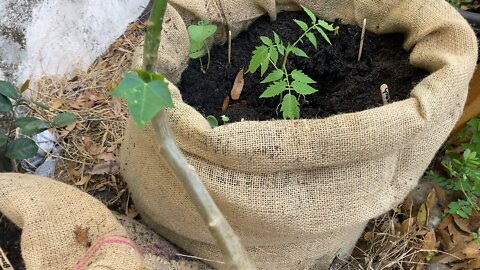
[(298, 192)]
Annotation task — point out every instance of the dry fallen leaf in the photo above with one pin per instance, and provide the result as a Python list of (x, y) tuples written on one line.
[(106, 156), (429, 240), (81, 235), (368, 236), (422, 216), (108, 167), (237, 85), (431, 200), (83, 180), (472, 251), (462, 224), (407, 226), (226, 101)]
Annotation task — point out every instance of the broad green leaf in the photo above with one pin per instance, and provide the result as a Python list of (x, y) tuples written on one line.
[(276, 38), (266, 40), (200, 33), (22, 148), (9, 90), (64, 119), (5, 104), (212, 121), (299, 52), (302, 88), (264, 65), (273, 54), (31, 125), (312, 39), (290, 107), (298, 75), (197, 54), (145, 100), (3, 139), (310, 14), (274, 89), (148, 76), (302, 25), (325, 25), (273, 76), (323, 34), (258, 56)]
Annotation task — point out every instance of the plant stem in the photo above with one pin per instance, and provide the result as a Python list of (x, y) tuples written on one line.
[(236, 256)]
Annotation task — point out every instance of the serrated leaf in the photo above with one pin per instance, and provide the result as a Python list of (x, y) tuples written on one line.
[(276, 38), (302, 88), (298, 75), (145, 100), (64, 119), (274, 89), (302, 25), (9, 90), (258, 56), (290, 107), (264, 65), (266, 40), (31, 125), (5, 104), (273, 76), (212, 121), (22, 148), (323, 34), (273, 54), (299, 52), (310, 14), (325, 25), (281, 49), (3, 139), (312, 39)]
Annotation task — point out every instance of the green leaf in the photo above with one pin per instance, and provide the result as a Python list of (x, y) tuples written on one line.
[(302, 88), (310, 14), (200, 33), (274, 76), (22, 148), (64, 119), (298, 75), (290, 107), (25, 86), (148, 76), (323, 34), (274, 89), (264, 65), (3, 139), (31, 125), (273, 54), (212, 121), (302, 25), (9, 90), (325, 25), (266, 40), (312, 39), (299, 52), (276, 38), (197, 54), (5, 104), (145, 100), (281, 49), (258, 56)]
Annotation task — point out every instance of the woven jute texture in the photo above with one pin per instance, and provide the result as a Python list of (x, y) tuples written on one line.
[(298, 192), (64, 228)]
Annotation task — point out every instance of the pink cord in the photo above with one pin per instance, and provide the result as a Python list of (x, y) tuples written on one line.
[(109, 239)]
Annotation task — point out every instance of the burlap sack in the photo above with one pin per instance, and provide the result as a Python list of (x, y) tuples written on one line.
[(64, 228), (298, 192)]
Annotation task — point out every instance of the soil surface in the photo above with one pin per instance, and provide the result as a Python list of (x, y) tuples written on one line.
[(10, 242), (344, 84)]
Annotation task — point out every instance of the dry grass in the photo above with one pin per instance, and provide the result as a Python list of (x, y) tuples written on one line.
[(95, 138)]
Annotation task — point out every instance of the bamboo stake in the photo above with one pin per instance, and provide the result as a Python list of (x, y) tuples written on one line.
[(385, 94), (362, 39), (236, 256), (5, 264), (229, 46)]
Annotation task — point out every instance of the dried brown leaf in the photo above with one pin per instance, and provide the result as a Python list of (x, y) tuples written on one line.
[(407, 226), (237, 85), (462, 224), (431, 200), (445, 222), (226, 101), (81, 235), (106, 156), (108, 167), (83, 180), (422, 216), (429, 240), (440, 194)]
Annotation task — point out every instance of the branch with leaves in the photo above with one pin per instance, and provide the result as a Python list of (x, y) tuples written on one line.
[(280, 79)]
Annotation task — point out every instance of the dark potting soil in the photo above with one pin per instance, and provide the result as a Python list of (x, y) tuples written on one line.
[(10, 243), (344, 84)]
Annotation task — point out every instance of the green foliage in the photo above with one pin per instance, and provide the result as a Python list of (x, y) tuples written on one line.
[(199, 35), (212, 121), (463, 172), (146, 94), (288, 85), (459, 3), (23, 147)]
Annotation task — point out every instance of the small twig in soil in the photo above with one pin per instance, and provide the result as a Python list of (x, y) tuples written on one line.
[(385, 94), (229, 46), (362, 39)]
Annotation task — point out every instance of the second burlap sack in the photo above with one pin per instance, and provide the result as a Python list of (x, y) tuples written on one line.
[(298, 192)]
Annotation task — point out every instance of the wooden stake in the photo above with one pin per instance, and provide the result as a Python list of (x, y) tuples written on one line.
[(4, 262), (229, 46), (361, 39), (385, 94)]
